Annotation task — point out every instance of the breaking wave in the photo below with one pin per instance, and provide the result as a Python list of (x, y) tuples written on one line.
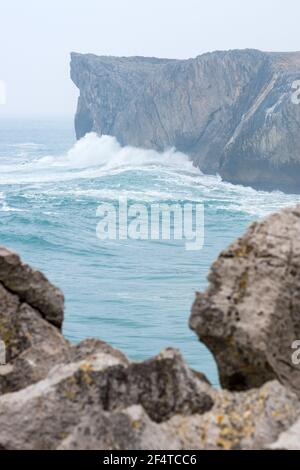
[(93, 156), (135, 173)]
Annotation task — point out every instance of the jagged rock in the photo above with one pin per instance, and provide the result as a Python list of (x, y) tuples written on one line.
[(249, 316), (31, 287), (47, 412), (32, 344), (244, 420), (232, 111), (35, 362), (247, 420)]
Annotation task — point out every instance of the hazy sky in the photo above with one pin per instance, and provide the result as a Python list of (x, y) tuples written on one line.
[(37, 36)]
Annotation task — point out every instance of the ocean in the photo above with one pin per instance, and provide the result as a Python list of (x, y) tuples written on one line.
[(134, 294)]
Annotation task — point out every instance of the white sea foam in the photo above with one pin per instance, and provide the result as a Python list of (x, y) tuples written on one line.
[(106, 151), (175, 178), (94, 156), (106, 154)]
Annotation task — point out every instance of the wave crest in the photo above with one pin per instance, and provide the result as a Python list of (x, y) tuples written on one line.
[(94, 156)]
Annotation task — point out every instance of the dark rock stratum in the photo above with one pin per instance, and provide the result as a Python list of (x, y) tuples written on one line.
[(231, 112), (56, 395)]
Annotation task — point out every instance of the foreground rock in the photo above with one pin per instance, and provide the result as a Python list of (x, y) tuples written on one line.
[(249, 420), (246, 420), (105, 402), (82, 391), (31, 287), (249, 316), (31, 315), (56, 395), (66, 412), (129, 429), (234, 113)]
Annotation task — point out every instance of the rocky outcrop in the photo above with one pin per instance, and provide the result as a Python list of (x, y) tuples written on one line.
[(248, 420), (55, 395), (83, 406), (31, 315), (31, 287), (249, 317), (231, 112), (76, 392)]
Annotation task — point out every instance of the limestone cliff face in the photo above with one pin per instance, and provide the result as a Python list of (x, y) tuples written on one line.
[(231, 112)]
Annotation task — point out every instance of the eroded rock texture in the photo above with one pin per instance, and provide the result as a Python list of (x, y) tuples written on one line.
[(248, 420), (249, 317), (105, 382), (31, 287), (55, 395), (245, 420), (31, 315), (231, 112)]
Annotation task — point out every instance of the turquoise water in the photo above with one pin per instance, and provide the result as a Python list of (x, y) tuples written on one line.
[(134, 294)]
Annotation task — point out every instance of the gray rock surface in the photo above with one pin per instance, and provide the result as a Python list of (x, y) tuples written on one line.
[(245, 420), (248, 420), (31, 314), (31, 287), (128, 429), (249, 317), (231, 112), (76, 392), (84, 405)]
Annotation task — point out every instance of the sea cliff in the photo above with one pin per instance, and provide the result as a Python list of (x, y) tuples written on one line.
[(234, 113)]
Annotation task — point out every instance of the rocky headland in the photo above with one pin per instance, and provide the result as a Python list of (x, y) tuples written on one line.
[(58, 395), (235, 113)]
